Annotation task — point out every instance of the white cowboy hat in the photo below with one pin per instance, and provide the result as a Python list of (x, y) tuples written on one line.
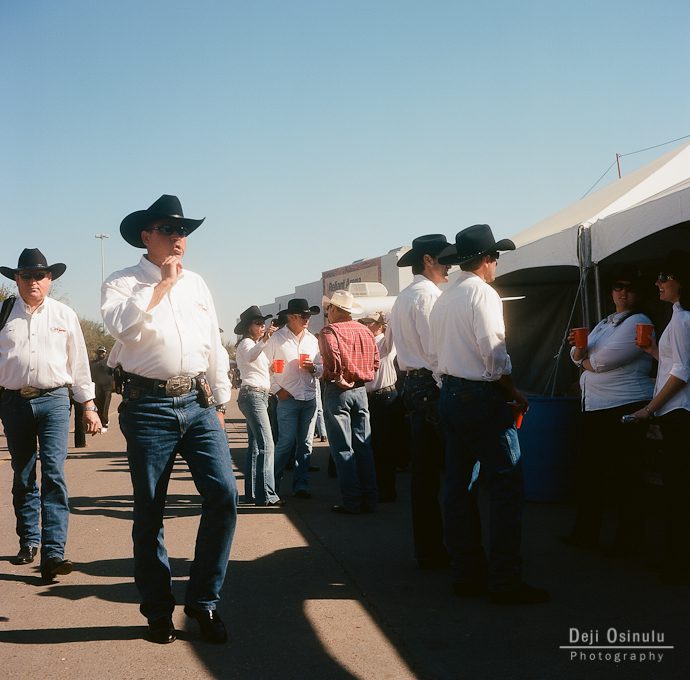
[(344, 300)]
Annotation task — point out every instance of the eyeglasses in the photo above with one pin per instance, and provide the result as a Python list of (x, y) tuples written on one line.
[(259, 322), (619, 286), (170, 229), (36, 276), (494, 256), (663, 277)]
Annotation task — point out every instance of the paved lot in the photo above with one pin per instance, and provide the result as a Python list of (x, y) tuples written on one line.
[(314, 595)]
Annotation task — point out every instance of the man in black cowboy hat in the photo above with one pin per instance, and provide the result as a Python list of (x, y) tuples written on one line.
[(42, 355), (477, 406), (173, 372), (409, 328), (295, 388)]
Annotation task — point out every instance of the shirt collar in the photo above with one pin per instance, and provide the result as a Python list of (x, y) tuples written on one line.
[(153, 271)]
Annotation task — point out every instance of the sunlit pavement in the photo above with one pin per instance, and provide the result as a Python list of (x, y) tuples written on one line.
[(314, 595)]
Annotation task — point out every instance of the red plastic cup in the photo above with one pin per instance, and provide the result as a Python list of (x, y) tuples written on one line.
[(643, 334), (278, 365), (518, 419), (581, 337), (302, 359)]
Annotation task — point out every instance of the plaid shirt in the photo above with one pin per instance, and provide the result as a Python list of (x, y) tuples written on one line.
[(348, 349)]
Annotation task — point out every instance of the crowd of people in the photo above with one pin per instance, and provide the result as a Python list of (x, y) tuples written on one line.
[(433, 377)]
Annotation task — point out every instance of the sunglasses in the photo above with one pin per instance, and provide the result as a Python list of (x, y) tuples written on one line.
[(35, 276), (663, 277), (619, 286), (494, 256), (170, 229), (259, 322)]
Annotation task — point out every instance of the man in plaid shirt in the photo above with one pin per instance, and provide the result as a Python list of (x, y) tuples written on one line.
[(350, 358)]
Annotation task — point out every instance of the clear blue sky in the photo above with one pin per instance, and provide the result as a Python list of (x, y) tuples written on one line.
[(311, 134)]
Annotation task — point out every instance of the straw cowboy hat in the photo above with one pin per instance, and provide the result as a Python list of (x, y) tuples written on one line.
[(344, 300), (32, 259), (166, 208)]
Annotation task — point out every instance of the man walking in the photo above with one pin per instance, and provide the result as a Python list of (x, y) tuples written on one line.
[(102, 376), (350, 358), (477, 407), (42, 355), (173, 371), (294, 385), (409, 328)]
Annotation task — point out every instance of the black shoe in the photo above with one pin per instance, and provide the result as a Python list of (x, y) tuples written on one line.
[(521, 593), (302, 493), (210, 624), (54, 566), (342, 510), (469, 588), (26, 555), (162, 631)]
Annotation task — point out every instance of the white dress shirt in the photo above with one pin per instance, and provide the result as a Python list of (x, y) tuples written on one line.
[(179, 336), (386, 375), (285, 345), (409, 323), (622, 370), (468, 332), (253, 363), (45, 349), (674, 359)]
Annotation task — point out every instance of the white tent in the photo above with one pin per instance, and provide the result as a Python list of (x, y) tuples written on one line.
[(557, 262), (561, 239)]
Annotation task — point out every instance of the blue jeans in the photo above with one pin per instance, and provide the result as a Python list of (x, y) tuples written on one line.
[(420, 396), (259, 481), (296, 420), (349, 437), (478, 426), (320, 422), (156, 428), (45, 420)]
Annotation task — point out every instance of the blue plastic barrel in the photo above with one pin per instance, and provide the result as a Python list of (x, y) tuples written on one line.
[(548, 439)]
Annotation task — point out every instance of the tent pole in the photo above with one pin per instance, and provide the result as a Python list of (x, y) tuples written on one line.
[(597, 290)]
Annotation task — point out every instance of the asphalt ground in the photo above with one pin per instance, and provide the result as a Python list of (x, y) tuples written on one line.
[(314, 595)]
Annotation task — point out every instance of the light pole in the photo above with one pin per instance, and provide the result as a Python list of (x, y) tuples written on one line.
[(101, 237)]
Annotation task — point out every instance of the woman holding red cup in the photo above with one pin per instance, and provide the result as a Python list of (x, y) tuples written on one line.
[(615, 380), (671, 406), (259, 481)]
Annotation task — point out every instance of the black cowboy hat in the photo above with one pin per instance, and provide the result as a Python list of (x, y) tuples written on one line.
[(166, 208), (473, 242), (429, 244), (677, 262), (627, 273), (248, 315), (301, 306), (32, 259)]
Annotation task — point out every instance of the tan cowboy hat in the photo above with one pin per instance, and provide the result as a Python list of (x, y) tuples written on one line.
[(344, 300)]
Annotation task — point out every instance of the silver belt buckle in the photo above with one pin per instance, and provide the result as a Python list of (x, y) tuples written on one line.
[(178, 385), (29, 392)]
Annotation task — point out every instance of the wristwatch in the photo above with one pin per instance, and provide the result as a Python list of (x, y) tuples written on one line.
[(91, 408)]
